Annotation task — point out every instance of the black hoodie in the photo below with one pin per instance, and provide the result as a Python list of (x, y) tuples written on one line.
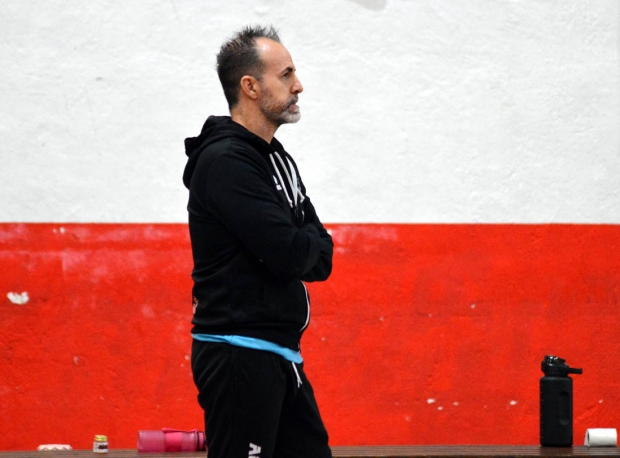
[(255, 236)]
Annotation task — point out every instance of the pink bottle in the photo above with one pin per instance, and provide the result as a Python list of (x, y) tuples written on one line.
[(171, 440)]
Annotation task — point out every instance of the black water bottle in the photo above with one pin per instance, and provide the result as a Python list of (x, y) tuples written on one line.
[(556, 403)]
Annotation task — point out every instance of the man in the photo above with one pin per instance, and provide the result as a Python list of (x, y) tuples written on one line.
[(255, 239)]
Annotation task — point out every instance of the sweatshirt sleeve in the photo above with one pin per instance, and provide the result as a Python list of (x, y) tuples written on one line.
[(240, 194), (322, 268)]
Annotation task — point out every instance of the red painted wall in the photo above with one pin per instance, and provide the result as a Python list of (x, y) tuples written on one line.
[(424, 334)]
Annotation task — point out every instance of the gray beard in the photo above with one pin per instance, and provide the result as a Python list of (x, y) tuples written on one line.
[(279, 115)]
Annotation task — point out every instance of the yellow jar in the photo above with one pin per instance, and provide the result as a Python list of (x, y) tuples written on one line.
[(100, 445)]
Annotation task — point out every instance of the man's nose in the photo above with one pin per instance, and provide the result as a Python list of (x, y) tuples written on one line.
[(297, 87)]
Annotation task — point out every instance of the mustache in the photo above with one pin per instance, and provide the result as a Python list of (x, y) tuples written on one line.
[(293, 100)]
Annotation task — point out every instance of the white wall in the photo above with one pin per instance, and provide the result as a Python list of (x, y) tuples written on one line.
[(413, 111)]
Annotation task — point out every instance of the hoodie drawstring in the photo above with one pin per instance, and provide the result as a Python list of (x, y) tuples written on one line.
[(291, 181), (295, 187), (273, 162), (288, 177)]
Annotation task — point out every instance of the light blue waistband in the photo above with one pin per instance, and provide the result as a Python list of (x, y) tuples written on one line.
[(251, 342)]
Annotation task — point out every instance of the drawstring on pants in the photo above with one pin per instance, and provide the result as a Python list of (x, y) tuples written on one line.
[(297, 374)]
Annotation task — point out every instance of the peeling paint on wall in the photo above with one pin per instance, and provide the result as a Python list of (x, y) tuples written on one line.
[(18, 298)]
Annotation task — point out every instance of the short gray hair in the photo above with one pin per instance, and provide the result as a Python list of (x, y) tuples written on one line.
[(239, 57)]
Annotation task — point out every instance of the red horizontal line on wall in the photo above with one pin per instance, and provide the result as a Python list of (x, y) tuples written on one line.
[(424, 334)]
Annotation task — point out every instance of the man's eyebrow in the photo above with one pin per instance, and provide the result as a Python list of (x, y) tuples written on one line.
[(288, 69)]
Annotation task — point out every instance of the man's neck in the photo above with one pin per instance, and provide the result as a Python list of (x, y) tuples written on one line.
[(258, 125)]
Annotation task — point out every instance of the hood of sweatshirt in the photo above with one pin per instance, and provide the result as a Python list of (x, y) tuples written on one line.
[(217, 128)]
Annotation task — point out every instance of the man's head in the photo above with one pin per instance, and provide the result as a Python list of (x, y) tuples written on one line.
[(256, 69)]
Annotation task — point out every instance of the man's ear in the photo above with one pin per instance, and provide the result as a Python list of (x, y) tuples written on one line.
[(250, 87)]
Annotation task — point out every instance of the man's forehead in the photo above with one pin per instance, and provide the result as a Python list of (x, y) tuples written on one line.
[(274, 54)]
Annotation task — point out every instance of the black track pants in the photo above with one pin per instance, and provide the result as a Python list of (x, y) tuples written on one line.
[(254, 405)]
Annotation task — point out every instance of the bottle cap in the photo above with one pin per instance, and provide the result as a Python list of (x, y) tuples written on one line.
[(101, 438), (553, 365)]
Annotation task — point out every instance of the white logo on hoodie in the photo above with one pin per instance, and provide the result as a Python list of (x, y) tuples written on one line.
[(254, 451)]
